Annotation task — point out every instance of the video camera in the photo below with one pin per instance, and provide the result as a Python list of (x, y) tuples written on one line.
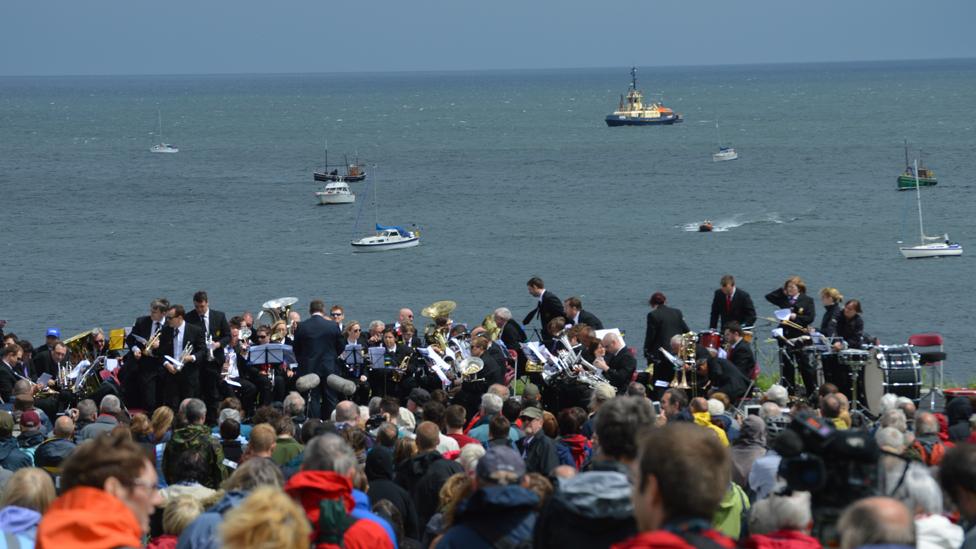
[(836, 467)]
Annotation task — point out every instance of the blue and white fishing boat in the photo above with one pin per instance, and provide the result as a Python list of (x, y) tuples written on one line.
[(387, 238)]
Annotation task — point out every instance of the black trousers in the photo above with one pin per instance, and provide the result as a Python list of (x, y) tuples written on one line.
[(181, 385), (246, 393), (788, 356)]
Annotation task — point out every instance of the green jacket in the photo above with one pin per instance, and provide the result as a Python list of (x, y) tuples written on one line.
[(194, 438), (286, 448), (732, 512)]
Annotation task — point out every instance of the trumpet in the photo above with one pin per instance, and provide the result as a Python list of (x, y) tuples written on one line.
[(210, 353), (152, 341), (401, 370)]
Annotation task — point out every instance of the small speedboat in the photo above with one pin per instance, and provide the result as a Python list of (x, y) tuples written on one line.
[(164, 148), (336, 193), (705, 227), (387, 238)]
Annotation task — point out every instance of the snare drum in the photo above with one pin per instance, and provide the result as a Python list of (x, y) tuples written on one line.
[(891, 369), (710, 339)]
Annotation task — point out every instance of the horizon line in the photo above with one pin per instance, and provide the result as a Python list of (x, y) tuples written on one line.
[(491, 69)]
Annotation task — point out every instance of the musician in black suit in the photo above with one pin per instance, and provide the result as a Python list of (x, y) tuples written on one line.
[(11, 355), (663, 323), (233, 373), (723, 376), (178, 334), (618, 364), (739, 352), (144, 369), (850, 326), (548, 308), (51, 361), (493, 372), (731, 304), (318, 342), (792, 295), (384, 380), (512, 335), (214, 324), (575, 314)]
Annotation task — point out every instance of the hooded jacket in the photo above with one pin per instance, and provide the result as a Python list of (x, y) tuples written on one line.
[(574, 450), (19, 520), (422, 477), (379, 472), (11, 456), (958, 411), (592, 509), (88, 518), (202, 532), (195, 438), (937, 532), (309, 488), (490, 514), (705, 420), (747, 448), (52, 452)]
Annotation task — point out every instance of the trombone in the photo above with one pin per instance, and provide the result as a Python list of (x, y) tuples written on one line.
[(787, 322)]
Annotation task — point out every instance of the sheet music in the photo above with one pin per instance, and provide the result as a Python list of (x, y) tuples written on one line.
[(376, 355), (600, 333), (671, 358), (438, 365), (111, 364), (43, 379), (77, 370), (176, 363)]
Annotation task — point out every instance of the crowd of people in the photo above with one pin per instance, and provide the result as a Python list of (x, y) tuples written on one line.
[(455, 437)]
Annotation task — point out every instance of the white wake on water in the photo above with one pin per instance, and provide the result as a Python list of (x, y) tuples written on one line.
[(723, 224)]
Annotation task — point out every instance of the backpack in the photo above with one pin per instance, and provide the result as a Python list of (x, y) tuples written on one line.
[(930, 457), (334, 522)]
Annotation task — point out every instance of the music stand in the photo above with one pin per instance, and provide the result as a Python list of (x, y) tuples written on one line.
[(271, 353)]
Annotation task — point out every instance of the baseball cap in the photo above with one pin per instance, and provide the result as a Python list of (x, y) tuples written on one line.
[(531, 412), (30, 420), (501, 464), (419, 396), (6, 423), (54, 332)]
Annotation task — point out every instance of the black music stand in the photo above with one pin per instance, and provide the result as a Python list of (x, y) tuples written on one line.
[(271, 353)]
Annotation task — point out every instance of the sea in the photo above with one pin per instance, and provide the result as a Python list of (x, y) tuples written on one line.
[(508, 174)]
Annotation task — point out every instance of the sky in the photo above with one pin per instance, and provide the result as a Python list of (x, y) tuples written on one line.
[(130, 37)]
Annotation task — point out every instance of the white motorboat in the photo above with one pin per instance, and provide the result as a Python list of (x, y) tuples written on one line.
[(929, 246), (336, 193), (162, 146), (387, 238), (725, 153)]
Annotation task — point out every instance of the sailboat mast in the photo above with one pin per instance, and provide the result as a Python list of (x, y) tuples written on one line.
[(906, 154), (918, 198), (376, 203), (159, 113)]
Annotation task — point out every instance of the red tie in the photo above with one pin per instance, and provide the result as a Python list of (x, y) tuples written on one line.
[(728, 305)]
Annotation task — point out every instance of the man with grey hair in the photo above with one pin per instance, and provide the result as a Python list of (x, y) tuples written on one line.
[(890, 439), (619, 364), (778, 394), (347, 412), (294, 407), (876, 521), (782, 521), (324, 484), (511, 334), (107, 420), (491, 406), (920, 492), (894, 418), (928, 447)]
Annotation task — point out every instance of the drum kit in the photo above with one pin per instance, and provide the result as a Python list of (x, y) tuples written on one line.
[(865, 375)]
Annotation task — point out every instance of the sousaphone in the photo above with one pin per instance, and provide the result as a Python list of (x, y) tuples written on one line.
[(439, 309), (277, 309)]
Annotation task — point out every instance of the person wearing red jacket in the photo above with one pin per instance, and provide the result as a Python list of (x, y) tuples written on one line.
[(682, 472), (325, 482)]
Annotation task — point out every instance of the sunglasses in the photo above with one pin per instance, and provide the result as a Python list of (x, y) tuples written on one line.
[(336, 314)]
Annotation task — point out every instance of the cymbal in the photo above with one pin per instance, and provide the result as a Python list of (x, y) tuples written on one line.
[(279, 303), (439, 309)]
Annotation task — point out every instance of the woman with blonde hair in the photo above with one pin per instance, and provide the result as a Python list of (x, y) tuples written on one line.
[(267, 518), (832, 301), (26, 497)]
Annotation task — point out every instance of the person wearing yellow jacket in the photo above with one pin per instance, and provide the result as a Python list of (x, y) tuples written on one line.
[(699, 411)]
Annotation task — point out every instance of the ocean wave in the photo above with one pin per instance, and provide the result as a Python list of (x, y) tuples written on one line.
[(723, 224)]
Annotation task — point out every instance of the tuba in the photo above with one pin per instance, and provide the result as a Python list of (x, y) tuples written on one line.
[(468, 368), (79, 350), (277, 309)]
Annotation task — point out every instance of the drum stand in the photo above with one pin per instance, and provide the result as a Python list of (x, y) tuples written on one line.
[(784, 353), (856, 404)]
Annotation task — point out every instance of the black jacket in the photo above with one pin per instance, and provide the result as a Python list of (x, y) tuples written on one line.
[(7, 380), (219, 330), (590, 319), (52, 452), (540, 454), (379, 472), (663, 323), (852, 330), (741, 311), (726, 378), (548, 308), (192, 335), (44, 363), (622, 366), (318, 342), (743, 358), (422, 477), (828, 325), (803, 307)]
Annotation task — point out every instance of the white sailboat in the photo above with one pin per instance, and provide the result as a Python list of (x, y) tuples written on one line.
[(162, 146), (929, 246), (724, 153), (386, 237)]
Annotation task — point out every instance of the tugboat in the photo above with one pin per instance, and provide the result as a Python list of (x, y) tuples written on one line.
[(705, 227), (909, 179), (633, 112), (354, 172)]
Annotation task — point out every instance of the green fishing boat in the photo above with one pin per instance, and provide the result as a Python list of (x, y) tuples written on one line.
[(907, 180)]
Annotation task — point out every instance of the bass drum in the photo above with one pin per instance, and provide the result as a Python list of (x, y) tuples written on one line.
[(891, 369)]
